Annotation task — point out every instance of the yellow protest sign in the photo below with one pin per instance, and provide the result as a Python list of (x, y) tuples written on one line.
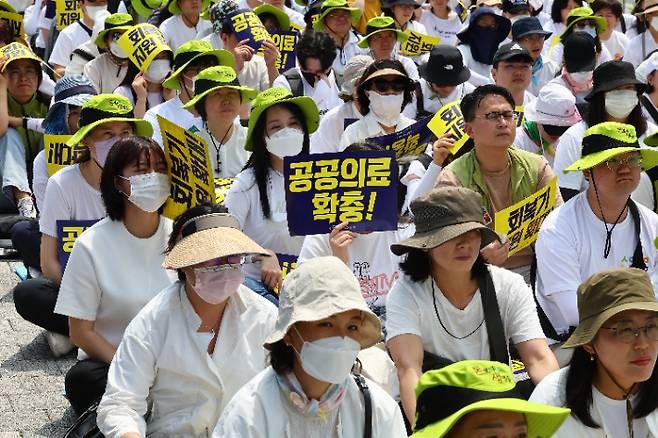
[(67, 12), (222, 185), (521, 115), (17, 51), (15, 23), (418, 44), (449, 119), (521, 222), (189, 169), (58, 154), (142, 43)]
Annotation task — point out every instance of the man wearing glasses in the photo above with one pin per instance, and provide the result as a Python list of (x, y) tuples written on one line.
[(598, 229), (501, 174)]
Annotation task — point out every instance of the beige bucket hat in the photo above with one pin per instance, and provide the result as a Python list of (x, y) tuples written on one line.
[(209, 237), (319, 288)]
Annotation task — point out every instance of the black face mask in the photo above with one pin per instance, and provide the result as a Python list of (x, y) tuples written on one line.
[(310, 77)]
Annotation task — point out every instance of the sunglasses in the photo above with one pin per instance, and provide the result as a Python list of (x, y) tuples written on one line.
[(383, 85), (555, 131)]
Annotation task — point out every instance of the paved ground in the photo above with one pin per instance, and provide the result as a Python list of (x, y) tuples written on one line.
[(31, 380)]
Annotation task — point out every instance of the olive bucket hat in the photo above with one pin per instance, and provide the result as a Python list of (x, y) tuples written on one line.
[(607, 293), (609, 139), (215, 78), (146, 7), (447, 395), (108, 108), (318, 289), (443, 214), (581, 14), (115, 22), (331, 5), (190, 52), (275, 96), (280, 15), (381, 24)]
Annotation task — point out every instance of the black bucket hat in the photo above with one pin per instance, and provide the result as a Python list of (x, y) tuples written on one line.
[(579, 52), (613, 74), (445, 67)]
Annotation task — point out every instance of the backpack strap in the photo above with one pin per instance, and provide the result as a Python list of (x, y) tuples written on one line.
[(497, 341), (546, 325), (295, 81), (420, 104), (646, 103), (638, 257), (367, 401), (83, 54)]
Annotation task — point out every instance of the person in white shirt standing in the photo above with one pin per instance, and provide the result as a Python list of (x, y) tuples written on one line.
[(613, 40), (217, 99), (611, 383), (185, 23), (197, 342), (443, 22), (601, 228), (309, 391)]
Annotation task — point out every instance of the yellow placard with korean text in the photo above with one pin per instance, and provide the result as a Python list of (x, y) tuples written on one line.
[(521, 222), (142, 43), (58, 154), (67, 12), (520, 112), (418, 44), (449, 119), (189, 169), (222, 186), (15, 22)]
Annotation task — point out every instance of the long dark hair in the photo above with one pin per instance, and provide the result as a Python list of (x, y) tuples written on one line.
[(418, 266), (259, 160), (580, 378), (597, 114), (282, 357)]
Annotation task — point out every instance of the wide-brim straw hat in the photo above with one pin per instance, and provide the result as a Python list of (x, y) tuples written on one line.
[(606, 294), (209, 237), (318, 289)]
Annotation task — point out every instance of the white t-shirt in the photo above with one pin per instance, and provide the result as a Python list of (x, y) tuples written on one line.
[(69, 38), (370, 260), (544, 75), (445, 28), (231, 154), (243, 202), (295, 16), (177, 33), (39, 178), (616, 44), (153, 98), (639, 48), (570, 248), (410, 309), (111, 275), (332, 126), (105, 74), (69, 197), (606, 412), (187, 400), (368, 127), (349, 50), (432, 102), (324, 94), (173, 111)]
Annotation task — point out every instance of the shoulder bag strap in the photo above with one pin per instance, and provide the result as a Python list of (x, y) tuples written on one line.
[(646, 103), (638, 257), (367, 401), (495, 331)]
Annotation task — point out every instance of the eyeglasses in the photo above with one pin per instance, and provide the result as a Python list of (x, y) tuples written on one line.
[(615, 163), (627, 333), (494, 116), (30, 74), (384, 85)]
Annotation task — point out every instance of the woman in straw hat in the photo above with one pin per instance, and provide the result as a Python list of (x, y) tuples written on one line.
[(308, 391), (611, 383), (279, 127), (440, 306), (197, 342), (115, 266)]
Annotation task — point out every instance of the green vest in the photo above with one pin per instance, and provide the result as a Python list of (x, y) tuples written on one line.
[(31, 139), (525, 175)]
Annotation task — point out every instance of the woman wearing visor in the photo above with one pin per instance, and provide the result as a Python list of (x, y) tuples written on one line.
[(197, 342)]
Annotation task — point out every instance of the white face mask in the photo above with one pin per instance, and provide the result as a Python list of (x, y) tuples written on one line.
[(580, 77), (654, 22), (117, 51), (102, 149), (620, 103), (157, 71), (148, 191), (286, 142), (386, 108), (215, 284), (91, 11), (591, 30), (329, 359)]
